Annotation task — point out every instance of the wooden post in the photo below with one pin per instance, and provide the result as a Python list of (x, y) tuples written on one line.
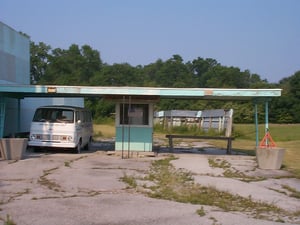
[(171, 143), (229, 146)]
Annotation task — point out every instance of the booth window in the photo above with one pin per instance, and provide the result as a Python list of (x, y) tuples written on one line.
[(136, 114)]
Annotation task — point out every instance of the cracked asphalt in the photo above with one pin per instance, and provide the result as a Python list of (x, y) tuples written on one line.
[(63, 188)]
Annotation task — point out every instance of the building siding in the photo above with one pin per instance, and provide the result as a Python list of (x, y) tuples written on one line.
[(14, 56)]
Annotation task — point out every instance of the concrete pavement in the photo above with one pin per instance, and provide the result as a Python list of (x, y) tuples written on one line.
[(63, 188)]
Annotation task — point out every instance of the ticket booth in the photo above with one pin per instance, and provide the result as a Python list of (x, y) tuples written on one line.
[(134, 124)]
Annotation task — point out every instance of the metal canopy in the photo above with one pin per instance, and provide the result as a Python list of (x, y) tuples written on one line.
[(21, 91), (141, 93)]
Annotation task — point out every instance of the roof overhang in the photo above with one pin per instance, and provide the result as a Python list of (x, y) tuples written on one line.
[(22, 91)]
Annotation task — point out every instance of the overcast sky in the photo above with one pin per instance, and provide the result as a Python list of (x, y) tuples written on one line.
[(262, 36)]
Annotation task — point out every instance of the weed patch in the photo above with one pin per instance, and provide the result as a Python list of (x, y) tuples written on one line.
[(130, 180), (14, 196), (214, 220), (293, 191), (68, 163), (201, 211), (232, 172), (9, 221), (218, 163), (178, 185), (43, 180)]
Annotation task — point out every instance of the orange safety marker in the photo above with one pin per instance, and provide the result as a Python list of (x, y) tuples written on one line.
[(267, 141)]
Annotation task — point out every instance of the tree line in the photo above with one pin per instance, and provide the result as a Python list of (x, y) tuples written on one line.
[(82, 65)]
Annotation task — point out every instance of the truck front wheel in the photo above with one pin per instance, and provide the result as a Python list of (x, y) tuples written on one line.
[(77, 149)]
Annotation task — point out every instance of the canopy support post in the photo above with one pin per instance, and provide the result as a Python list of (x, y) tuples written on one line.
[(256, 125)]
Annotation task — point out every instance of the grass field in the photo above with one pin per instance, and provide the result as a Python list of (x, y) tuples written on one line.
[(104, 130), (279, 132), (285, 135)]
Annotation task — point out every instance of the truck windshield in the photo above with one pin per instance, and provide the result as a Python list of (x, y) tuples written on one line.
[(53, 115)]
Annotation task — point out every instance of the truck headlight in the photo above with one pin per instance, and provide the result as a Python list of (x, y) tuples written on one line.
[(32, 137)]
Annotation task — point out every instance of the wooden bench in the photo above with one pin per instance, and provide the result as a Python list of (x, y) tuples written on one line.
[(228, 139)]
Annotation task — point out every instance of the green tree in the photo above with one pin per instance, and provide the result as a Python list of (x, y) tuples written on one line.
[(39, 59), (294, 82), (151, 74), (286, 108), (200, 68), (227, 77), (118, 75), (75, 66), (174, 73), (100, 108)]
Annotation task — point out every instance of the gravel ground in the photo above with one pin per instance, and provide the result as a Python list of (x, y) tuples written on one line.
[(64, 188)]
